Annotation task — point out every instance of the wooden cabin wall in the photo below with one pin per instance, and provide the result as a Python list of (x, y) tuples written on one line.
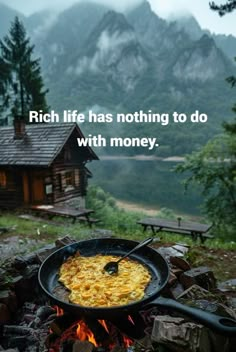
[(60, 171), (40, 185), (11, 196), (22, 187), (59, 183), (70, 159)]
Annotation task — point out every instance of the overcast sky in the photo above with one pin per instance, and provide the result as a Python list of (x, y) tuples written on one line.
[(164, 8)]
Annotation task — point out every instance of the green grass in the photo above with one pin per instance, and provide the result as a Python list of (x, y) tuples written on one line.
[(40, 229), (122, 224)]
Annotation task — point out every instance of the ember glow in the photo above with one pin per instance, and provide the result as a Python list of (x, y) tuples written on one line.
[(81, 331), (58, 310)]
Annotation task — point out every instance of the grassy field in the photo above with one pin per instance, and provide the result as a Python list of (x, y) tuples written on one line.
[(31, 234)]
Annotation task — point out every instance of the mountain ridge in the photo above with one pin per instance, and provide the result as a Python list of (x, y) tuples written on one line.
[(93, 56)]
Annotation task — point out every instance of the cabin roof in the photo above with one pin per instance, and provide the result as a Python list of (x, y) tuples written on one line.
[(40, 146)]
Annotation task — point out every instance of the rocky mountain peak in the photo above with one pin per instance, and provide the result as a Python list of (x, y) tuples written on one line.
[(189, 24), (114, 22), (202, 61)]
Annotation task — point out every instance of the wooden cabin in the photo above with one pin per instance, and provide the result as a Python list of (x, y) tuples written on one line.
[(42, 164)]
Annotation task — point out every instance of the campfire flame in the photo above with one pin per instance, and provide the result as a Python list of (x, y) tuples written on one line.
[(80, 331), (85, 334)]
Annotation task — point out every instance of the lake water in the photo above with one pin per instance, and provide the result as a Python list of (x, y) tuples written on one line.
[(146, 182)]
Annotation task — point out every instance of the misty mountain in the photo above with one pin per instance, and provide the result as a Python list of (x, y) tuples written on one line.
[(96, 58), (190, 25), (227, 43), (201, 61), (113, 51)]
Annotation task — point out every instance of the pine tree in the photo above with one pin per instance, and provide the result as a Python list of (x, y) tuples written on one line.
[(223, 9), (21, 83)]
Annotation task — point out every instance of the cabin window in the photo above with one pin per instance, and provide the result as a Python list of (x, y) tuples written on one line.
[(48, 185), (3, 179), (59, 182), (48, 189), (69, 181)]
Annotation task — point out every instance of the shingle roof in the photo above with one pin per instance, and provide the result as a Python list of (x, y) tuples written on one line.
[(40, 146)]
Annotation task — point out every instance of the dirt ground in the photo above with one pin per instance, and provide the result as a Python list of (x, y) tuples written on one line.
[(221, 261)]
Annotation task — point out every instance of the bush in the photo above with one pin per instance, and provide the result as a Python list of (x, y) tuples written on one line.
[(110, 215)]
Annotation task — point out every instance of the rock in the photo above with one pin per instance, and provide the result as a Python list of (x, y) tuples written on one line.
[(180, 263), (25, 287), (201, 276), (21, 262), (172, 279), (43, 253), (177, 290), (168, 252), (2, 275), (227, 286), (176, 271), (181, 248), (15, 280), (179, 335), (61, 242), (232, 303)]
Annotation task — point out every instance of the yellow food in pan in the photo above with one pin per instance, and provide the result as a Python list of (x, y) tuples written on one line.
[(91, 286)]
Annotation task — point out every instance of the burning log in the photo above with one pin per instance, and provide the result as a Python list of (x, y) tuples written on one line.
[(83, 346), (11, 330), (118, 349), (4, 314), (29, 307), (44, 312), (98, 330), (8, 297), (22, 342), (50, 340), (62, 322)]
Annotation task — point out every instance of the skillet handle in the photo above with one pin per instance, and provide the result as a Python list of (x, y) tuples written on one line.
[(222, 325)]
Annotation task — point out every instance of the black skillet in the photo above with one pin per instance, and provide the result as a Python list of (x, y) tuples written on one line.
[(156, 264)]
